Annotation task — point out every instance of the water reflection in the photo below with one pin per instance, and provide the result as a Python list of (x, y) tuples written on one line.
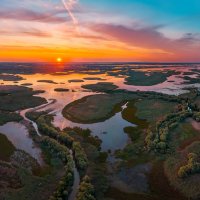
[(18, 135), (110, 131)]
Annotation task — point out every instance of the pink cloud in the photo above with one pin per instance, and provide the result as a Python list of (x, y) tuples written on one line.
[(28, 32), (186, 48), (29, 15)]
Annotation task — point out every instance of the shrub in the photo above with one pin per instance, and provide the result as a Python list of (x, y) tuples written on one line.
[(86, 190), (192, 167), (62, 152), (158, 140), (56, 148), (47, 129), (80, 156)]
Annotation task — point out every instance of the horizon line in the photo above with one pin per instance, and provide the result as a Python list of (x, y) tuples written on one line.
[(98, 62)]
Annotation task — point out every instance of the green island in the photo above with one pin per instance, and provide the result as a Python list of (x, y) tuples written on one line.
[(10, 77), (61, 90), (93, 78), (191, 80), (47, 81), (100, 87), (87, 109), (14, 98), (140, 78), (75, 81), (26, 84)]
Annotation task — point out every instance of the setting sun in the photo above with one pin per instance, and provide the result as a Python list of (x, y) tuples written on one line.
[(59, 60)]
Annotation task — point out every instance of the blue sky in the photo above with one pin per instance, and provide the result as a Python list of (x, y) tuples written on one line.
[(178, 15), (175, 14)]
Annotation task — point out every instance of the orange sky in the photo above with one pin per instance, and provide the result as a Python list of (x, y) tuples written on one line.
[(78, 54), (88, 31)]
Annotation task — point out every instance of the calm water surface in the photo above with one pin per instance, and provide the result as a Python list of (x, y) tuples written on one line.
[(110, 131), (19, 136)]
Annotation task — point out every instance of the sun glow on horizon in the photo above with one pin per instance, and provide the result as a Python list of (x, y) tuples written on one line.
[(59, 60)]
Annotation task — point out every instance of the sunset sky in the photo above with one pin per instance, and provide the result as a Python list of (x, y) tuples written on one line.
[(100, 30)]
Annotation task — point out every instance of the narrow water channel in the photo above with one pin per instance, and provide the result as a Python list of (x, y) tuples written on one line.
[(76, 183), (23, 113)]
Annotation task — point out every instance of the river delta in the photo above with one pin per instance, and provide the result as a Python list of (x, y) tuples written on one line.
[(113, 132)]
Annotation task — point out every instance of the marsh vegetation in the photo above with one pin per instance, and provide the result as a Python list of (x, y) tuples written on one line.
[(159, 160)]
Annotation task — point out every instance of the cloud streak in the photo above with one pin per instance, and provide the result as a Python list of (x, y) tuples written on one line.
[(69, 5), (29, 15), (28, 32)]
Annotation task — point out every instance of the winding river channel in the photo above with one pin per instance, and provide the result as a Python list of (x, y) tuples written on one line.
[(116, 132), (76, 183)]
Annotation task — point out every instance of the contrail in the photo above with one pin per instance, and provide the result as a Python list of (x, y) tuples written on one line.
[(68, 6)]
